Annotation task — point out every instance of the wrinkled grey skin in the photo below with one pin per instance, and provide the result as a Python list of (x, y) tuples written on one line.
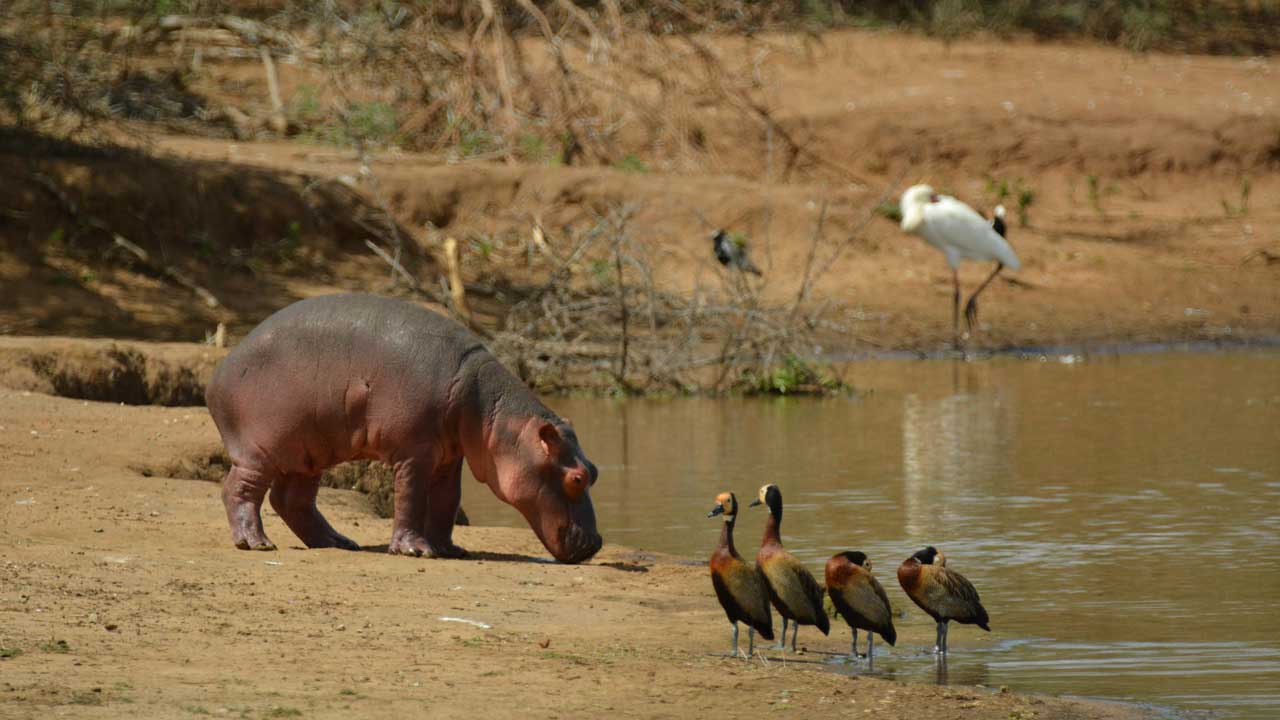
[(344, 377)]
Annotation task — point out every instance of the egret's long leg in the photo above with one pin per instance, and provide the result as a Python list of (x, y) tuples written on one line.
[(871, 646), (735, 639), (937, 642), (795, 632), (782, 644), (751, 642), (971, 307), (854, 651), (955, 308)]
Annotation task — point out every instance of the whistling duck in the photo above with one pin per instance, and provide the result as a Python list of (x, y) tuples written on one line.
[(794, 592), (860, 599), (945, 594), (739, 587)]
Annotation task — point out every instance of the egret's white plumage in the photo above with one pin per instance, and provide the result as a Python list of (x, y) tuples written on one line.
[(961, 234), (954, 228)]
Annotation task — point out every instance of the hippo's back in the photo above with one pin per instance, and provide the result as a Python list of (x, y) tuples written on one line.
[(304, 370)]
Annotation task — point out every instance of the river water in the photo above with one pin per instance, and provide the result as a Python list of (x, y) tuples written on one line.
[(1120, 516)]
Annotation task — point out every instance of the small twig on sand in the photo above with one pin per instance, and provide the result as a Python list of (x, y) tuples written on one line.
[(1267, 257)]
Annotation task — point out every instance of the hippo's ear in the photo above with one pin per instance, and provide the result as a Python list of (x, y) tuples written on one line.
[(552, 441)]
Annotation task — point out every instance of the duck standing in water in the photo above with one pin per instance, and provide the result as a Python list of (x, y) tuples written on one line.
[(860, 599), (794, 592), (741, 590), (945, 594)]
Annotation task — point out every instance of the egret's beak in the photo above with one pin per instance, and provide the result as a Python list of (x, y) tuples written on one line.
[(717, 510), (754, 502)]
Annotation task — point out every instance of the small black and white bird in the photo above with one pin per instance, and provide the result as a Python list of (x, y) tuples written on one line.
[(732, 253)]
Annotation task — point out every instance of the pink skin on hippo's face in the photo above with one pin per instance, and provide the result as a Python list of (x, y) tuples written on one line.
[(549, 480)]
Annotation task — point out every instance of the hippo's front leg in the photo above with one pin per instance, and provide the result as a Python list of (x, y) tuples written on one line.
[(443, 499), (420, 485)]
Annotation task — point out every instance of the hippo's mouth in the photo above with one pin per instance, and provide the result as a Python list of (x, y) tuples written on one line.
[(576, 544)]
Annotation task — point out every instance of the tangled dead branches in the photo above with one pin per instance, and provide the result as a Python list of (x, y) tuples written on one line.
[(617, 325)]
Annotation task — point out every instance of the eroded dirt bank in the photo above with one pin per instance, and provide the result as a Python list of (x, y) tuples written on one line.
[(1151, 183), (121, 595)]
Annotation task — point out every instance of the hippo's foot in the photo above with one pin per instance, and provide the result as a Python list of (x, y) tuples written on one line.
[(448, 551), (294, 499), (248, 535), (331, 539), (259, 543), (413, 544), (242, 494)]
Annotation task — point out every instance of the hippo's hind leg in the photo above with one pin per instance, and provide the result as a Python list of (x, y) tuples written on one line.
[(242, 493), (418, 504), (294, 499)]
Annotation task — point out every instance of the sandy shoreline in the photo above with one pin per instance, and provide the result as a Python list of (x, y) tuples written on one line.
[(122, 595)]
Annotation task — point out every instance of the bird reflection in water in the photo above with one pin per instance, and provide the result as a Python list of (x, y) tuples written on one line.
[(969, 670)]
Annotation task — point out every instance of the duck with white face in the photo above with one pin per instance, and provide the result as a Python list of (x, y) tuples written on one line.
[(792, 588), (943, 593), (740, 589)]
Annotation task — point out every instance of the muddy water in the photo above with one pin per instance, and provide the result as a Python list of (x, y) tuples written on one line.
[(1121, 517)]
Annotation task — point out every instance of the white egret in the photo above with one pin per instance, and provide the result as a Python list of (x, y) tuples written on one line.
[(961, 234)]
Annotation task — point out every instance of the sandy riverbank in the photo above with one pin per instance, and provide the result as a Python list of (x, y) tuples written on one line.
[(121, 595)]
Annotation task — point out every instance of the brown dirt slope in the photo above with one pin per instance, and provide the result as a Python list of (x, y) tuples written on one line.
[(251, 236), (1153, 182)]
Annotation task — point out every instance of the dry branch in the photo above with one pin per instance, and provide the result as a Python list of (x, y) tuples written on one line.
[(173, 273), (457, 289), (278, 121)]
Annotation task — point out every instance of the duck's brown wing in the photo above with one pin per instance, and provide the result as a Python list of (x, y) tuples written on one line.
[(863, 604), (744, 597), (794, 590), (814, 592), (882, 618), (955, 597)]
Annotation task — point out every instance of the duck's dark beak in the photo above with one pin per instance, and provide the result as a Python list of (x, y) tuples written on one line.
[(754, 502), (717, 510)]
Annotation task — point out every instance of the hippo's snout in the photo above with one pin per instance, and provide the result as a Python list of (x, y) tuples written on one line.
[(577, 544)]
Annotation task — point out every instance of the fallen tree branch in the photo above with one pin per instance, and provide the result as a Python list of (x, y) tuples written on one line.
[(173, 273), (399, 269)]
